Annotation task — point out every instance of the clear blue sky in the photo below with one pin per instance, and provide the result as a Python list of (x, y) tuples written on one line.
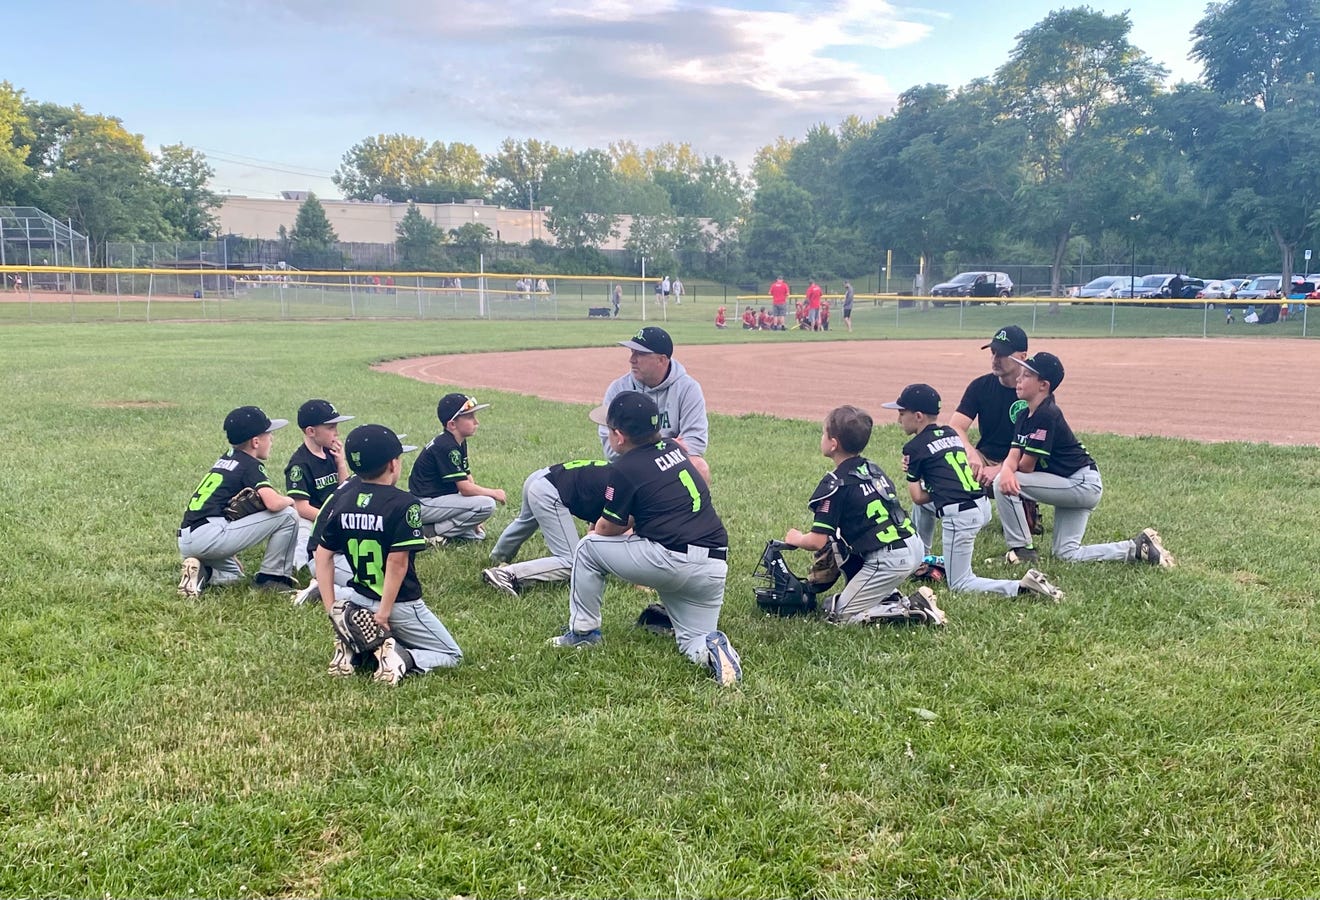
[(274, 91)]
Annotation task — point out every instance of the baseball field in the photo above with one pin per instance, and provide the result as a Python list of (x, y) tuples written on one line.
[(1155, 734)]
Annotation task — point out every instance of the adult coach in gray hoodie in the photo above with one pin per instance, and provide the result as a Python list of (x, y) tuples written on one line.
[(655, 373)]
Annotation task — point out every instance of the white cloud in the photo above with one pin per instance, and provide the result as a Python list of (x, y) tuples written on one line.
[(585, 73)]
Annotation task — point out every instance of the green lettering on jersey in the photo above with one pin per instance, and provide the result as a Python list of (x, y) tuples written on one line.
[(204, 490), (876, 512), (957, 461), (368, 563), (686, 477)]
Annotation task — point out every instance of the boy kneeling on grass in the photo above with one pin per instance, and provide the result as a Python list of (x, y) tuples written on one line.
[(1049, 465), (857, 502), (942, 487), (378, 527), (209, 540)]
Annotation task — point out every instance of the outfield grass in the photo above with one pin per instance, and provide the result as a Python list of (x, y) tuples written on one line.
[(1153, 735)]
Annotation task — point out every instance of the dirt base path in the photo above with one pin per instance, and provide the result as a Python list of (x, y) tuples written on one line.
[(1207, 390)]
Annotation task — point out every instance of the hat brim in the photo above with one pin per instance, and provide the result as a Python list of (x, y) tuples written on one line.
[(892, 406), (600, 415), (276, 425), (468, 412), (408, 448), (1023, 364), (640, 348)]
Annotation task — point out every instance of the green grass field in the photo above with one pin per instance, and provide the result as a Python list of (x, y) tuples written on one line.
[(1153, 735)]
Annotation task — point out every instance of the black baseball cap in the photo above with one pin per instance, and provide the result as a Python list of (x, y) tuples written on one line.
[(1046, 365), (1008, 340), (319, 412), (630, 412), (370, 447), (246, 422), (920, 398), (651, 340), (451, 406)]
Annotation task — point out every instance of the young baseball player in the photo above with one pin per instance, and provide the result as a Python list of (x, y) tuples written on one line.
[(677, 545), (551, 499), (315, 469), (857, 502), (1049, 465), (720, 320), (378, 528), (209, 542), (992, 402), (453, 504), (943, 488), (749, 319)]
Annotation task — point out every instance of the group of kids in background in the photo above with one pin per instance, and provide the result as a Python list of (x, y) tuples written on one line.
[(753, 320), (344, 520)]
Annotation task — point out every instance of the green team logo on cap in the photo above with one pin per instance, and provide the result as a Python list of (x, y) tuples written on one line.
[(415, 516), (455, 459), (1016, 410), (357, 459), (363, 501), (295, 473), (639, 335), (1002, 336)]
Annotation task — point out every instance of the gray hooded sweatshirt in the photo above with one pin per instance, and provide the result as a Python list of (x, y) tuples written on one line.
[(682, 408)]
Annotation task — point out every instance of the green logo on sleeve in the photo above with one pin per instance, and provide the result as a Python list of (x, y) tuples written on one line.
[(456, 459), (363, 501), (1016, 410), (295, 473), (415, 516)]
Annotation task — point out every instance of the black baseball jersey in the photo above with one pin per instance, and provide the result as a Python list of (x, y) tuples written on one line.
[(441, 465), (230, 474), (936, 457), (323, 513), (581, 484), (668, 501), (1046, 435), (367, 522), (994, 407), (310, 477), (858, 501)]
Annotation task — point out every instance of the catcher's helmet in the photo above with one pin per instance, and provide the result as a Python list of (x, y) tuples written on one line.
[(787, 594)]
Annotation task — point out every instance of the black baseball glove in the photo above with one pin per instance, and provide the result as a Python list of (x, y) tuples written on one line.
[(244, 503)]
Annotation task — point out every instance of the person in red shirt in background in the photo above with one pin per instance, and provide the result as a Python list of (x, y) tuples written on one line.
[(824, 315), (813, 306), (779, 301), (719, 318), (765, 322), (749, 318)]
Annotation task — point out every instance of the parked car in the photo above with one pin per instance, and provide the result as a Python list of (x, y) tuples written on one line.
[(1104, 286), (1260, 287), (1219, 289), (1146, 287), (974, 284)]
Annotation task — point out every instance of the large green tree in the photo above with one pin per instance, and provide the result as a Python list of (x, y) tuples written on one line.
[(518, 170), (1078, 89), (16, 176), (779, 230), (1252, 50), (402, 167), (580, 189), (419, 241), (187, 201), (312, 240)]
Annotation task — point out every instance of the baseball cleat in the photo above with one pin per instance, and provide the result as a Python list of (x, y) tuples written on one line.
[(1149, 549), (922, 602), (311, 592), (501, 580), (268, 582), (1018, 555), (655, 619), (572, 638), (341, 663), (189, 581), (725, 666), (1036, 582), (390, 667)]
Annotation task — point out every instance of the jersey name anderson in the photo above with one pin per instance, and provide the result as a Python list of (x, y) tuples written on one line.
[(948, 443)]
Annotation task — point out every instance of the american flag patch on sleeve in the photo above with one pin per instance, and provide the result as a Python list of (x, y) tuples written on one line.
[(1038, 435), (609, 492), (824, 505)]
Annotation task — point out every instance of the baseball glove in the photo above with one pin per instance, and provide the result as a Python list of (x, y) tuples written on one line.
[(357, 628), (244, 503), (824, 569), (931, 570), (655, 619)]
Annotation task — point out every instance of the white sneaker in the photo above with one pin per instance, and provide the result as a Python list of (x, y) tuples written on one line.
[(922, 601), (390, 667), (189, 580), (500, 580), (1036, 582), (311, 592), (342, 661)]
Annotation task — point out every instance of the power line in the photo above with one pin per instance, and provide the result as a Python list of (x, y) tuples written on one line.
[(253, 162)]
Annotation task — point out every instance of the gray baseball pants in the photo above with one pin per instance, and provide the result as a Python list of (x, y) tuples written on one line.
[(1073, 499), (690, 585), (961, 526), (454, 515), (541, 508), (217, 542), (881, 574), (301, 558), (416, 628)]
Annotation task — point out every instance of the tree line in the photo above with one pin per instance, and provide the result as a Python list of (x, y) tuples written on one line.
[(1072, 148)]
